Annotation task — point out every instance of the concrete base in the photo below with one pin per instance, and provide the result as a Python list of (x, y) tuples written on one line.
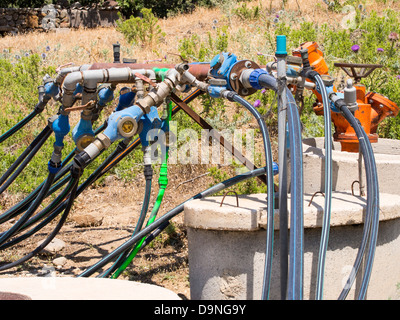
[(228, 264), (345, 166), (68, 288)]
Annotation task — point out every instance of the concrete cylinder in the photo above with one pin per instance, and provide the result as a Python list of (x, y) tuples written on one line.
[(227, 243)]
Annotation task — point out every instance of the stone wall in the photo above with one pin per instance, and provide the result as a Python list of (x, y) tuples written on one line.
[(53, 17)]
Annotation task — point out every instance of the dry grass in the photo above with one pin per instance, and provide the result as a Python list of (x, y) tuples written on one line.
[(95, 45)]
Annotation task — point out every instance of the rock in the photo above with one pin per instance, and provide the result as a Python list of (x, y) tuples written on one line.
[(60, 261), (56, 245), (33, 21), (63, 13), (110, 180), (87, 220), (64, 24)]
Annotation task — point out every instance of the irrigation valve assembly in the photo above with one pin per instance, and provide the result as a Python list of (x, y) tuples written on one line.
[(144, 105)]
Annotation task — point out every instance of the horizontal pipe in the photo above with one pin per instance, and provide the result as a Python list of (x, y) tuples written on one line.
[(92, 77), (199, 70)]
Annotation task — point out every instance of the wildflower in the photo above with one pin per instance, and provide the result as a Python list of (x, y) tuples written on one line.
[(256, 103), (277, 16), (26, 54), (43, 55), (263, 91), (393, 36), (355, 48), (214, 27), (215, 21), (48, 48), (17, 57), (360, 6), (276, 20), (398, 77), (380, 50)]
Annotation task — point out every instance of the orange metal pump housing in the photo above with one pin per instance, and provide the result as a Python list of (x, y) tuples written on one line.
[(372, 107)]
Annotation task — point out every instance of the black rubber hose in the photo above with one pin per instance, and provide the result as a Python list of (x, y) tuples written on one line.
[(145, 206), (375, 223), (169, 215), (48, 214), (32, 208), (59, 203), (327, 189), (372, 211), (18, 126), (270, 193), (29, 157), (74, 183), (24, 204), (296, 241), (24, 154)]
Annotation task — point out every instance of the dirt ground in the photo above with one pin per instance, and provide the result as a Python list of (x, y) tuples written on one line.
[(104, 217)]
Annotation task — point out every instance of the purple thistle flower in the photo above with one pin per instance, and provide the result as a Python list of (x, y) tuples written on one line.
[(398, 77), (380, 50), (48, 48), (393, 36), (256, 103), (355, 48), (263, 91)]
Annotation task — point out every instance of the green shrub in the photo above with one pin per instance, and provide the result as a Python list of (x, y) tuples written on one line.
[(144, 31), (201, 50)]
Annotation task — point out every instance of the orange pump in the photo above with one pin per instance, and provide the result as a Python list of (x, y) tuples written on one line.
[(372, 106)]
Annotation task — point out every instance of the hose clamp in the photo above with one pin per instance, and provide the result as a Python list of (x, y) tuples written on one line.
[(254, 76)]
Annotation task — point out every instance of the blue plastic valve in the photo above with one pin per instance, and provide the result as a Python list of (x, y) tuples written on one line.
[(281, 45)]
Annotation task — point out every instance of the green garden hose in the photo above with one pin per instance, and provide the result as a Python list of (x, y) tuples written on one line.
[(163, 183)]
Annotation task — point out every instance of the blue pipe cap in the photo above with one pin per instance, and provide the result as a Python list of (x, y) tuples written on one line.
[(61, 128), (151, 124), (126, 98), (128, 116), (281, 45), (51, 89)]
